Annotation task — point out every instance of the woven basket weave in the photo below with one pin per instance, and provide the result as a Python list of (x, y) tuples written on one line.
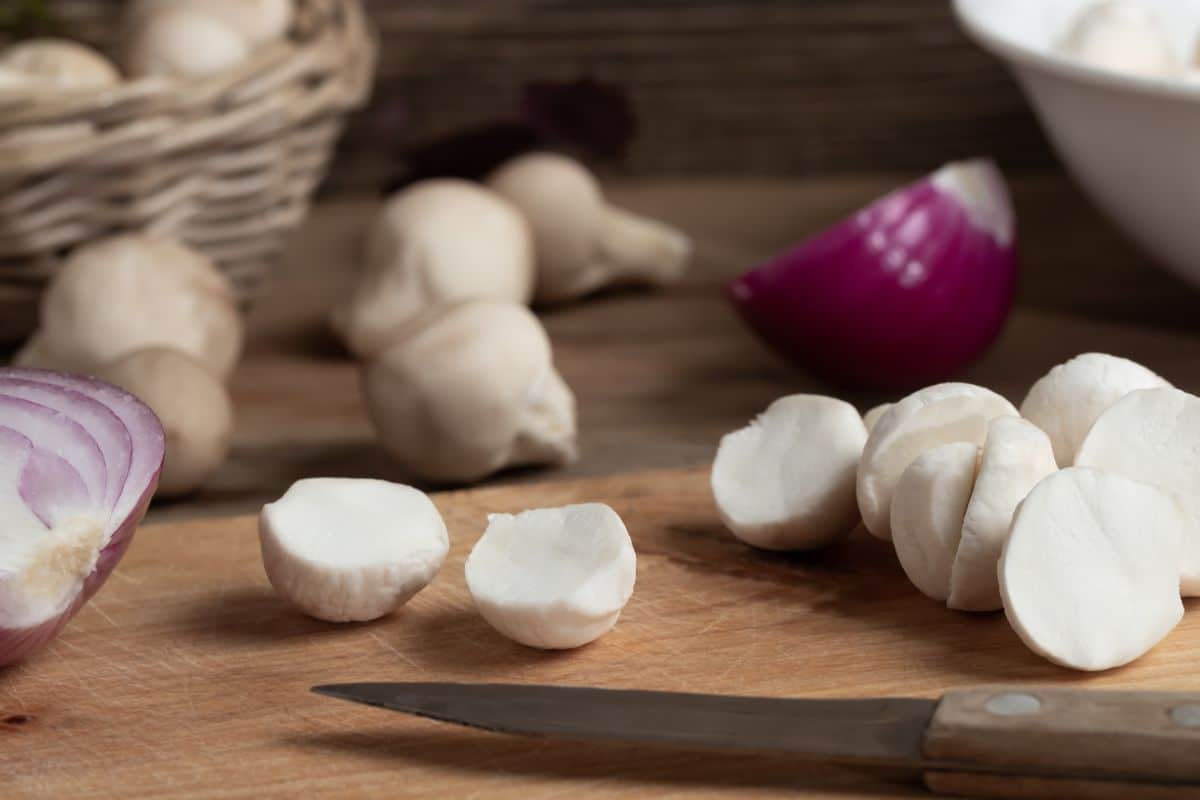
[(227, 164)]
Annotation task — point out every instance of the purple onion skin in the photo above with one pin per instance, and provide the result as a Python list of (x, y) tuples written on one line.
[(875, 327)]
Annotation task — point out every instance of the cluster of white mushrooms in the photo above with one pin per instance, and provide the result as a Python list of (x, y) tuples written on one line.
[(1079, 515), (157, 318), (166, 39), (458, 373)]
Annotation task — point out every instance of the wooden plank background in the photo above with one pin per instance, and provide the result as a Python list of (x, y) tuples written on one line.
[(721, 87)]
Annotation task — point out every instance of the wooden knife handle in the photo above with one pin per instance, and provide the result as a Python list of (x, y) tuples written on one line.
[(1057, 743)]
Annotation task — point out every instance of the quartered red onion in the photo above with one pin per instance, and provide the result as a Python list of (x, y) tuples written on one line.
[(79, 461), (906, 292)]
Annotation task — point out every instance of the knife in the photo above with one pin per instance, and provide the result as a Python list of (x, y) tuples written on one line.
[(993, 741)]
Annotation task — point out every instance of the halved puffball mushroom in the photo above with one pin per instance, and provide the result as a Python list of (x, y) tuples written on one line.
[(553, 578), (351, 549), (1017, 455), (1123, 37), (936, 415), (437, 241), (183, 42), (1153, 436), (191, 402), (131, 292), (1090, 574), (258, 21), (786, 481), (583, 243), (468, 390), (1070, 397), (927, 514), (872, 417), (60, 63)]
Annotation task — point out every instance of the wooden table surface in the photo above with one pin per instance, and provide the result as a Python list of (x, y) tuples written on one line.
[(187, 676), (661, 375)]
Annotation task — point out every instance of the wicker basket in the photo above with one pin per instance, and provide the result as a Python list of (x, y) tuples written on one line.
[(227, 164)]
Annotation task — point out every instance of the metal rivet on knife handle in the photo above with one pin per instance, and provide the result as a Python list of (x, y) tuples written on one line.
[(1013, 704), (1186, 715)]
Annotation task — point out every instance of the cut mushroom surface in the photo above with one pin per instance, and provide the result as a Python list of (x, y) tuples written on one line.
[(1153, 436), (1070, 397), (927, 514), (786, 481), (937, 415), (351, 550), (553, 578), (1016, 457), (1090, 573)]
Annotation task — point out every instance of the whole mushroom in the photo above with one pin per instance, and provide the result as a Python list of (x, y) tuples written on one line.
[(183, 42), (257, 21), (60, 63), (130, 292), (191, 402), (583, 243), (470, 389), (437, 241)]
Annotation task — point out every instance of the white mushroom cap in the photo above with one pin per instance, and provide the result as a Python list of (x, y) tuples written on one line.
[(927, 514), (1068, 399), (468, 390), (936, 415), (351, 550), (583, 243), (1090, 574), (184, 42), (193, 405), (131, 292), (1122, 36), (786, 481), (438, 241), (553, 578), (872, 417), (1153, 436), (1016, 457), (257, 21), (58, 62)]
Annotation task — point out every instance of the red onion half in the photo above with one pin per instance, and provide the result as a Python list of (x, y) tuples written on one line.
[(904, 293), (79, 461)]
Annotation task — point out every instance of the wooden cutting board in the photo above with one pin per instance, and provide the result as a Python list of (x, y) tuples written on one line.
[(188, 677)]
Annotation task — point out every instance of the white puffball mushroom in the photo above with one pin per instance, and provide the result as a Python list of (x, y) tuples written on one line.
[(1122, 37), (351, 549), (1090, 574), (872, 417), (1153, 436), (471, 390), (435, 242), (131, 292), (183, 43), (1070, 397), (786, 481), (258, 21), (553, 578), (583, 243), (927, 514), (193, 405), (59, 63), (1017, 455), (936, 415)]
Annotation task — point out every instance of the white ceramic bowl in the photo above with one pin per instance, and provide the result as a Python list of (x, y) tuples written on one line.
[(1132, 142)]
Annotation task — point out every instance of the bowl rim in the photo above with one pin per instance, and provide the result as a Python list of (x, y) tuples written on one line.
[(1064, 67)]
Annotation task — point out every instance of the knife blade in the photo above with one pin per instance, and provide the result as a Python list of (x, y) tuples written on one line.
[(985, 741)]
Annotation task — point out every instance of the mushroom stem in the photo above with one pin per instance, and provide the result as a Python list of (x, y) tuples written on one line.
[(547, 434), (642, 250)]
